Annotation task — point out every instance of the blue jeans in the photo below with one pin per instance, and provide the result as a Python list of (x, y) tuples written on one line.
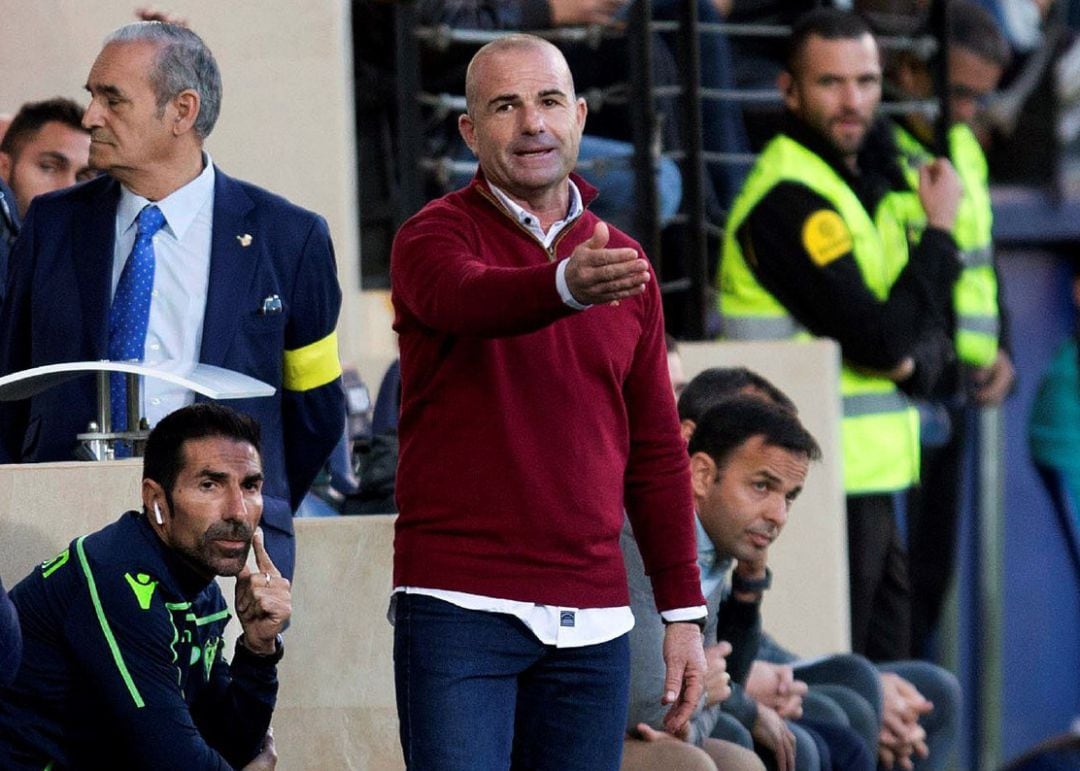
[(477, 690), (853, 684), (807, 755)]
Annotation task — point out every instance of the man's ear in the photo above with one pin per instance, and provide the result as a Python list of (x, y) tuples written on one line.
[(6, 162), (702, 474), (153, 495), (467, 129), (786, 83), (686, 428), (186, 106)]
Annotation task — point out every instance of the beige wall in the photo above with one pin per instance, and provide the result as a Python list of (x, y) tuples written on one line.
[(286, 121)]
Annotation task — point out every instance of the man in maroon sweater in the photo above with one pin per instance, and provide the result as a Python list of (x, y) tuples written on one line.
[(536, 407)]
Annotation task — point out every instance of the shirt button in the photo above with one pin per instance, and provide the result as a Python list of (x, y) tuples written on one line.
[(155, 402), (153, 293), (155, 347)]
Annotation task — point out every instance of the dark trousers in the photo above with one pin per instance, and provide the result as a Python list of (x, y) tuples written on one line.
[(477, 690), (878, 574), (933, 516), (840, 748)]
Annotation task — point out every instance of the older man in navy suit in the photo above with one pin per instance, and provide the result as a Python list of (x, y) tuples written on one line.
[(167, 260)]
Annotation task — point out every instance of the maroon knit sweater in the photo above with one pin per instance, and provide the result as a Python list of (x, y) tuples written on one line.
[(527, 427)]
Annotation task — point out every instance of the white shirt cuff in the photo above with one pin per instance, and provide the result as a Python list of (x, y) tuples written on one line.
[(684, 614), (564, 290)]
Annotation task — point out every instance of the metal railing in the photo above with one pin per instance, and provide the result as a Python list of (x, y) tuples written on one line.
[(684, 278)]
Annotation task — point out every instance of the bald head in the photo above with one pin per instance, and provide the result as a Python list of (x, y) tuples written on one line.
[(524, 122), (498, 49)]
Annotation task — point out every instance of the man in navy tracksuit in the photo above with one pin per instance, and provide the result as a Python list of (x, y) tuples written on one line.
[(123, 663)]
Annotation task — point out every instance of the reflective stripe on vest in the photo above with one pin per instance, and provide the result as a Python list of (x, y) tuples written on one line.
[(977, 257), (760, 328), (869, 404), (881, 446)]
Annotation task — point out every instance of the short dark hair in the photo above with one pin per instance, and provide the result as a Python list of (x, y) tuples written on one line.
[(714, 385), (164, 455), (828, 23), (973, 27), (32, 116), (729, 424)]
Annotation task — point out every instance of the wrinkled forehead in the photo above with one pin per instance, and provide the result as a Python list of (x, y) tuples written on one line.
[(123, 61), (219, 453), (523, 68)]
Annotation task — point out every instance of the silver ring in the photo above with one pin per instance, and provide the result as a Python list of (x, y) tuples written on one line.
[(267, 578)]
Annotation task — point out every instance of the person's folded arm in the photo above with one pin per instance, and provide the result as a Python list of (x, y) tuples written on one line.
[(822, 286)]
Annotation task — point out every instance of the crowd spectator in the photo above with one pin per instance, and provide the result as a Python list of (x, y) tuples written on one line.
[(982, 374), (220, 272), (10, 639), (1054, 428), (124, 658), (44, 148), (722, 128), (535, 404), (814, 244)]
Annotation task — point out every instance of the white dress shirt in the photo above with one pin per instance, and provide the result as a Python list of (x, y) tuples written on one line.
[(181, 280), (531, 222)]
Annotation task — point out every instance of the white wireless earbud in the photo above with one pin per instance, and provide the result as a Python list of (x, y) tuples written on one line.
[(157, 513)]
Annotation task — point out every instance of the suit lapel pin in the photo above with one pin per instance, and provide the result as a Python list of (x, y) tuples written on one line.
[(245, 240)]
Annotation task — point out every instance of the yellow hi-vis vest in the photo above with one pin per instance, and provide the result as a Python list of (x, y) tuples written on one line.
[(975, 293), (880, 428)]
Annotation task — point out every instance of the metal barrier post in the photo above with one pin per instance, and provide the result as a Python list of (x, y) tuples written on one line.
[(410, 141), (689, 62), (643, 124), (991, 493)]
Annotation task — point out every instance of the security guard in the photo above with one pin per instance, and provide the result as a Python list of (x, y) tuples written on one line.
[(978, 53), (817, 245)]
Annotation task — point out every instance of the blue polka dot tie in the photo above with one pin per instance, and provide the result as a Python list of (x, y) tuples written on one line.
[(130, 312)]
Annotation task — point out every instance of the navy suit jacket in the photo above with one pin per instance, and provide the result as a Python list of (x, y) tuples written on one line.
[(9, 229), (56, 310)]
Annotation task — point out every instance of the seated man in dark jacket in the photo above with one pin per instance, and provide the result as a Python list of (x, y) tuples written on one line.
[(10, 639), (123, 663)]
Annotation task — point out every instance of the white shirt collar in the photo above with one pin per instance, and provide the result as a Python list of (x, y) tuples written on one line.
[(179, 207), (712, 565), (530, 220)]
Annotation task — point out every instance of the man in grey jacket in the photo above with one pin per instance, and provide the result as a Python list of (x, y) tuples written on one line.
[(748, 462)]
